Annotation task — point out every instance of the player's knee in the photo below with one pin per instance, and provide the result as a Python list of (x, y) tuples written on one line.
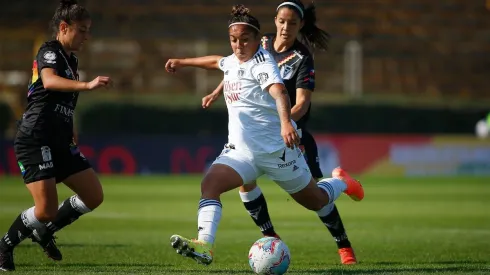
[(210, 189), (99, 200), (95, 200), (314, 205), (210, 186), (248, 187), (46, 214), (218, 180)]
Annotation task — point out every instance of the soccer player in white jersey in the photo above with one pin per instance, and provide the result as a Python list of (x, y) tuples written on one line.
[(262, 136), (292, 46)]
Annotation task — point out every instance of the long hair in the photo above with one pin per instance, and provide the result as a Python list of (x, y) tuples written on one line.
[(312, 36), (68, 11)]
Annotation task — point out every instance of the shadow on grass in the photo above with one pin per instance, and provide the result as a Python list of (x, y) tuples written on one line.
[(78, 245)]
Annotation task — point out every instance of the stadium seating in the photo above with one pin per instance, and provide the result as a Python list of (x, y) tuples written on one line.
[(419, 47)]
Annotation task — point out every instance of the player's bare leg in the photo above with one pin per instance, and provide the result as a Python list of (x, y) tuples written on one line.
[(219, 179)]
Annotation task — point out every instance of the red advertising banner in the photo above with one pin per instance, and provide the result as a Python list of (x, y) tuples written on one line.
[(405, 155), (390, 155)]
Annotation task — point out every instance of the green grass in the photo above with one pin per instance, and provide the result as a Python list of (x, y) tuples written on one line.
[(404, 226)]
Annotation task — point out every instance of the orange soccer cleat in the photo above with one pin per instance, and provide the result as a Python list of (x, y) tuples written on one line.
[(347, 256), (354, 188)]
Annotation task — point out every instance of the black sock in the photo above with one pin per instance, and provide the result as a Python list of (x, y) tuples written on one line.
[(16, 234), (334, 224), (67, 214), (260, 214)]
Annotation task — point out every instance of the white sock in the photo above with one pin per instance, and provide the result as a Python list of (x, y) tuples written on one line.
[(327, 209), (334, 187), (30, 221), (208, 218), (78, 205), (250, 196)]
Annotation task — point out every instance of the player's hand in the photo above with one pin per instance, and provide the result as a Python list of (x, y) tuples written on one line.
[(209, 99), (289, 135), (172, 65), (98, 82)]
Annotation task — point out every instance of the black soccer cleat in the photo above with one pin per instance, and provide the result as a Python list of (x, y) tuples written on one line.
[(7, 261), (48, 244)]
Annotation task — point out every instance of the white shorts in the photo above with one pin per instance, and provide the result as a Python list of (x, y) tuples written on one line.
[(286, 167)]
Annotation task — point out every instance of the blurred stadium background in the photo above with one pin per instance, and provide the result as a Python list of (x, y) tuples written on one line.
[(397, 100), (395, 68)]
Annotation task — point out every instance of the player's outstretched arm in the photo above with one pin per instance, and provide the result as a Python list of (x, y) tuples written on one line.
[(51, 81), (283, 103), (212, 97), (205, 62)]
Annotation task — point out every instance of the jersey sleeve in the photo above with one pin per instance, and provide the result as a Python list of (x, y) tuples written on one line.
[(306, 75), (48, 57), (266, 73), (224, 63)]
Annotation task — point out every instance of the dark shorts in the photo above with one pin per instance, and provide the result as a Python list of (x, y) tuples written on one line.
[(42, 157), (310, 151)]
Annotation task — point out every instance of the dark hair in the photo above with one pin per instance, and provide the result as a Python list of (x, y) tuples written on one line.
[(311, 35), (241, 14), (68, 11)]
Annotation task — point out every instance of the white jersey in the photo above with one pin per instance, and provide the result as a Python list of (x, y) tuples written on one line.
[(253, 120)]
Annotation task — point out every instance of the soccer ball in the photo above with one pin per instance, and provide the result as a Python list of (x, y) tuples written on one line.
[(269, 256)]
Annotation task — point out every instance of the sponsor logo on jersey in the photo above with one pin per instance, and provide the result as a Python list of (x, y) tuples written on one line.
[(232, 86), (46, 165), (231, 97), (64, 110), (287, 164), (231, 91)]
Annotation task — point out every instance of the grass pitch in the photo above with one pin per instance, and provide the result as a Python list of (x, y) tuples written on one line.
[(403, 226)]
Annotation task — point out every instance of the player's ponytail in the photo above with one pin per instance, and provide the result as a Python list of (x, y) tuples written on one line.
[(241, 15), (311, 35), (68, 11)]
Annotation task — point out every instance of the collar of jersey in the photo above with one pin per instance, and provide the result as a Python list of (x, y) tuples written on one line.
[(58, 44), (271, 45)]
